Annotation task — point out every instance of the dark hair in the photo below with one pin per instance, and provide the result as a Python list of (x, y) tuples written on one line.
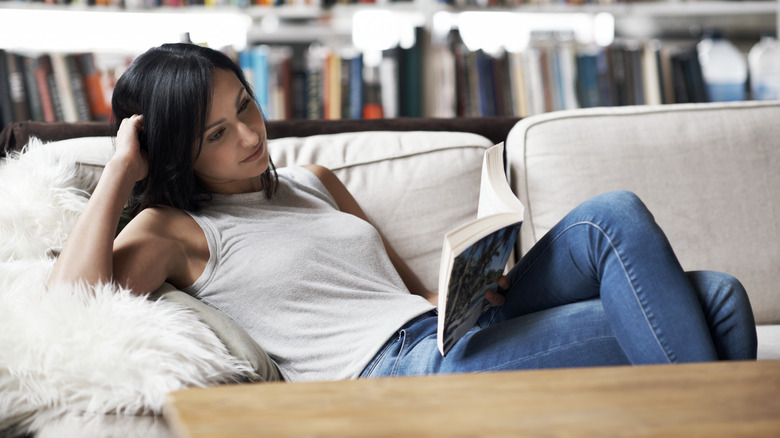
[(171, 86)]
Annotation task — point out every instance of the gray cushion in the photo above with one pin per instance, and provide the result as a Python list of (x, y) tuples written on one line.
[(238, 342)]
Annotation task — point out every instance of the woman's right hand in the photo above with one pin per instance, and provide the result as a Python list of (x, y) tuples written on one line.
[(498, 297), (128, 153)]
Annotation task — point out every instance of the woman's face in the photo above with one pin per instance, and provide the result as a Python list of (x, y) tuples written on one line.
[(234, 148)]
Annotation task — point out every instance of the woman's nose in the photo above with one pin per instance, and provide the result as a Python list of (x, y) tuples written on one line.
[(249, 137)]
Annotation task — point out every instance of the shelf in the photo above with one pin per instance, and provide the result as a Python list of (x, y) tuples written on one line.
[(650, 9), (306, 23), (696, 9), (75, 28)]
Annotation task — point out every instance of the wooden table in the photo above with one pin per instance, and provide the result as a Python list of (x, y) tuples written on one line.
[(738, 399)]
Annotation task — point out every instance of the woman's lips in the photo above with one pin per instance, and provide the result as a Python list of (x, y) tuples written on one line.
[(255, 155)]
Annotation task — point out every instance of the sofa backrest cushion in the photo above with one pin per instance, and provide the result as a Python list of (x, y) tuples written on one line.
[(708, 172)]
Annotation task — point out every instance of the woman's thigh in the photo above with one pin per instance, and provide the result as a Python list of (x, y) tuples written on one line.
[(566, 336)]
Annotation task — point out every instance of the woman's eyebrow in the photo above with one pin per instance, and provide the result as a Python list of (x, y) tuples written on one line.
[(213, 124)]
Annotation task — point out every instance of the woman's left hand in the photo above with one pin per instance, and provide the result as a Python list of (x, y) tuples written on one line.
[(498, 297)]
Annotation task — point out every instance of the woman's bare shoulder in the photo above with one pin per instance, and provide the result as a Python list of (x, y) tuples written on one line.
[(165, 222), (164, 242)]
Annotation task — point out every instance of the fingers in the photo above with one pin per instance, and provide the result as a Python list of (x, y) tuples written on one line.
[(503, 283), (498, 297), (132, 123), (495, 298), (129, 153)]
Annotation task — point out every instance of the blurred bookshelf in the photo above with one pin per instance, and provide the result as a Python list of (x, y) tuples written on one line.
[(365, 59)]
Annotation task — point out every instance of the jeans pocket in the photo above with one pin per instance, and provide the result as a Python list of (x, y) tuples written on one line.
[(383, 362)]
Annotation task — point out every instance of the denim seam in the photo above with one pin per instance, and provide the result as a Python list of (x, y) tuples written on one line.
[(511, 363), (378, 359), (403, 337)]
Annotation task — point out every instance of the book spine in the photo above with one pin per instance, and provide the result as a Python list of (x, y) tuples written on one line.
[(98, 105), (314, 60), (21, 108), (298, 84), (587, 80), (285, 71), (54, 92), (346, 89), (44, 92), (567, 65), (517, 85), (410, 80), (462, 82), (388, 84), (332, 86), (30, 64), (371, 104), (650, 74), (356, 85), (79, 91), (6, 104), (535, 82), (259, 65), (64, 88)]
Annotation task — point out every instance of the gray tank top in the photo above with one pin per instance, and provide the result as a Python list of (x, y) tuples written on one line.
[(312, 285)]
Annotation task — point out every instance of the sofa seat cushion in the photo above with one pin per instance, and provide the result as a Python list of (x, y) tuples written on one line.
[(708, 172), (768, 341)]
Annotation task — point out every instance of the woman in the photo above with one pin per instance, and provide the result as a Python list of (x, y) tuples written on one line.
[(291, 257)]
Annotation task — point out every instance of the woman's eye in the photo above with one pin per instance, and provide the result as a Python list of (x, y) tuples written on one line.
[(244, 105), (217, 135)]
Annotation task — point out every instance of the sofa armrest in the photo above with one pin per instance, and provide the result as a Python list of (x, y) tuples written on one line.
[(15, 135)]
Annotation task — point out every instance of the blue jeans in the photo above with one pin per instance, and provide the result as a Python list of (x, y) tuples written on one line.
[(603, 287)]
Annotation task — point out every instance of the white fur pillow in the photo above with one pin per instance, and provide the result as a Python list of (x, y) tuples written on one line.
[(75, 350)]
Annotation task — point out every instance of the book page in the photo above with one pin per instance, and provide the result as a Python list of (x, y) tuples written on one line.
[(495, 195)]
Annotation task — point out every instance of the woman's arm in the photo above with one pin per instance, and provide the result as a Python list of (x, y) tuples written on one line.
[(88, 252), (143, 256), (347, 203)]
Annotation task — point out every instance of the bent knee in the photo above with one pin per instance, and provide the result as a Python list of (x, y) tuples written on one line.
[(620, 204), (718, 290)]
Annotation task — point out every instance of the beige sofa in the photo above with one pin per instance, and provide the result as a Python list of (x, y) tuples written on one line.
[(709, 172)]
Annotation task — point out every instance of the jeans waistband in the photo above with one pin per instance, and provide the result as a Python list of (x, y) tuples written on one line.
[(391, 339), (416, 319)]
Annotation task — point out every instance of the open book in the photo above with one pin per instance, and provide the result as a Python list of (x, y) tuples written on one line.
[(475, 254)]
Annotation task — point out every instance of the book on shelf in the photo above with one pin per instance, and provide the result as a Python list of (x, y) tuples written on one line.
[(410, 71), (29, 65), (551, 74), (476, 254), (50, 95), (442, 79), (53, 87), (94, 87), (6, 104)]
